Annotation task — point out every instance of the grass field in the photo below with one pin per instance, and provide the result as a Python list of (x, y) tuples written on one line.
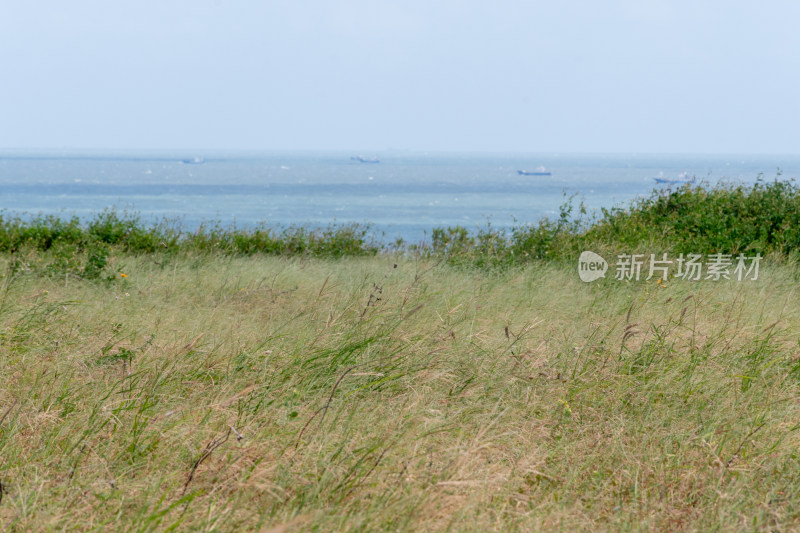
[(210, 392)]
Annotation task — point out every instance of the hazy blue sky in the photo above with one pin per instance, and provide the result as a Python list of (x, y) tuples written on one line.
[(501, 75)]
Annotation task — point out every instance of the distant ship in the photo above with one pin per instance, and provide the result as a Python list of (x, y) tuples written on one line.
[(362, 159), (541, 171), (193, 161), (682, 179)]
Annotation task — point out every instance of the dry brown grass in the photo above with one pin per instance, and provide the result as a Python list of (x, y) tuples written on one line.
[(273, 394)]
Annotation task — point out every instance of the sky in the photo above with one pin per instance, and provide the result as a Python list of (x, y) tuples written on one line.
[(620, 76)]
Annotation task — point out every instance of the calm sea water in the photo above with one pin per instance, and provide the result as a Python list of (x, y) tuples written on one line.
[(405, 195)]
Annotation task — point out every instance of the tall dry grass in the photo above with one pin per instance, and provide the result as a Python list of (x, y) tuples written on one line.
[(216, 393)]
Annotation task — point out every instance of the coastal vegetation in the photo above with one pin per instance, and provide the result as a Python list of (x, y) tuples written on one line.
[(733, 218), (317, 379)]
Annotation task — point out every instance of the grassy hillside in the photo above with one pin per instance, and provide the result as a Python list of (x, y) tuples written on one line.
[(209, 392)]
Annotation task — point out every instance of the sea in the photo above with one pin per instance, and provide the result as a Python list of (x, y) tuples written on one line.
[(404, 195)]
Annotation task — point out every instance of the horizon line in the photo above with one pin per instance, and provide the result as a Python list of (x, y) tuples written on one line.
[(80, 151)]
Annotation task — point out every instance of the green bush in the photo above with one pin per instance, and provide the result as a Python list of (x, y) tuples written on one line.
[(725, 218)]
